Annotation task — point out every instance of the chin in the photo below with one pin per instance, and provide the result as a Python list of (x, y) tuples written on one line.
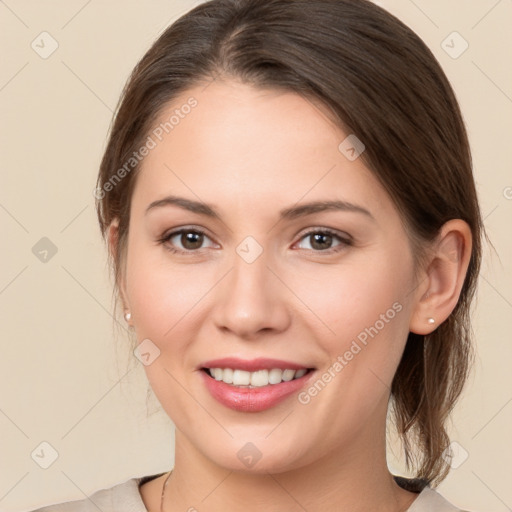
[(257, 457)]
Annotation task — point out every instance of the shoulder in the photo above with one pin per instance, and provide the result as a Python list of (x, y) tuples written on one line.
[(429, 499), (124, 496)]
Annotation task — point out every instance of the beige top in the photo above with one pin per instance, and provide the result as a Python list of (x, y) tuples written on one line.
[(126, 497)]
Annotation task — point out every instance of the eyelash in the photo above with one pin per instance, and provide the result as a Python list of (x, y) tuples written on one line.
[(345, 241)]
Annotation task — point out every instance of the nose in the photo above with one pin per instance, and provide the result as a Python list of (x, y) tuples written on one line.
[(252, 300)]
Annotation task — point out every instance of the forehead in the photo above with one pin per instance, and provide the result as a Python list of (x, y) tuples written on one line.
[(239, 145)]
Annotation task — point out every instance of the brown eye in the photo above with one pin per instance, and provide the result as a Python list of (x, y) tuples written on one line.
[(191, 240), (184, 240), (322, 241)]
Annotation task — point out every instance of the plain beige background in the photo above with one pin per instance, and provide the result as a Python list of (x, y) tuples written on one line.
[(62, 380)]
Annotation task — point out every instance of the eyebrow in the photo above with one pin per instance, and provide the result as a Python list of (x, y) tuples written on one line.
[(293, 212)]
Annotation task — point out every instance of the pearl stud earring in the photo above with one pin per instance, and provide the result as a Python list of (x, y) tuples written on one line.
[(431, 321), (127, 316)]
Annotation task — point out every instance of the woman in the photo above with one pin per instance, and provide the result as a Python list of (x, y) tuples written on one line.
[(289, 205)]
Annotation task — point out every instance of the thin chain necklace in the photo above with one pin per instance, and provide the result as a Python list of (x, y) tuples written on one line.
[(163, 492)]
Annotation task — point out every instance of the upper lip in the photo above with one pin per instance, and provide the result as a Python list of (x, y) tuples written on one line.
[(252, 365)]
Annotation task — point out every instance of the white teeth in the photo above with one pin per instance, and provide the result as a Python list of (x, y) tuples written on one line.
[(259, 378), (274, 376), (240, 377), (288, 375), (227, 375), (255, 379)]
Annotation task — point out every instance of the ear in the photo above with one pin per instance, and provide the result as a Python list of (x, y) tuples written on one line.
[(442, 281), (113, 237)]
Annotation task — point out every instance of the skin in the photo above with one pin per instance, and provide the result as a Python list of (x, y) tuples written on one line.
[(252, 152)]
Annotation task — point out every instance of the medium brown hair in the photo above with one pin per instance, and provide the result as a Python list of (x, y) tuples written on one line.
[(381, 83)]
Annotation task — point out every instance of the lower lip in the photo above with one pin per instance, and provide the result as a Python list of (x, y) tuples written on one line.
[(254, 399)]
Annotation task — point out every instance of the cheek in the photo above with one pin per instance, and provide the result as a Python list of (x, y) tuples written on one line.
[(350, 297), (364, 307), (161, 294), (165, 300), (364, 324)]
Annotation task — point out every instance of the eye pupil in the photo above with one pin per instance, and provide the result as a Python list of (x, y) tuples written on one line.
[(321, 236), (196, 239)]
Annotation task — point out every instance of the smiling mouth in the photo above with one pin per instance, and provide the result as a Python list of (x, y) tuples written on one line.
[(259, 378)]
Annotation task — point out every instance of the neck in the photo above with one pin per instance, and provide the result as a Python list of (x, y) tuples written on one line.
[(353, 477)]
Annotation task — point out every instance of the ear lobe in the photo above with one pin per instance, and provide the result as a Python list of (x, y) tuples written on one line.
[(444, 277)]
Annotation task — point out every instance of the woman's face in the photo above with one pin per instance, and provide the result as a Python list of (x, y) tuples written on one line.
[(262, 284)]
